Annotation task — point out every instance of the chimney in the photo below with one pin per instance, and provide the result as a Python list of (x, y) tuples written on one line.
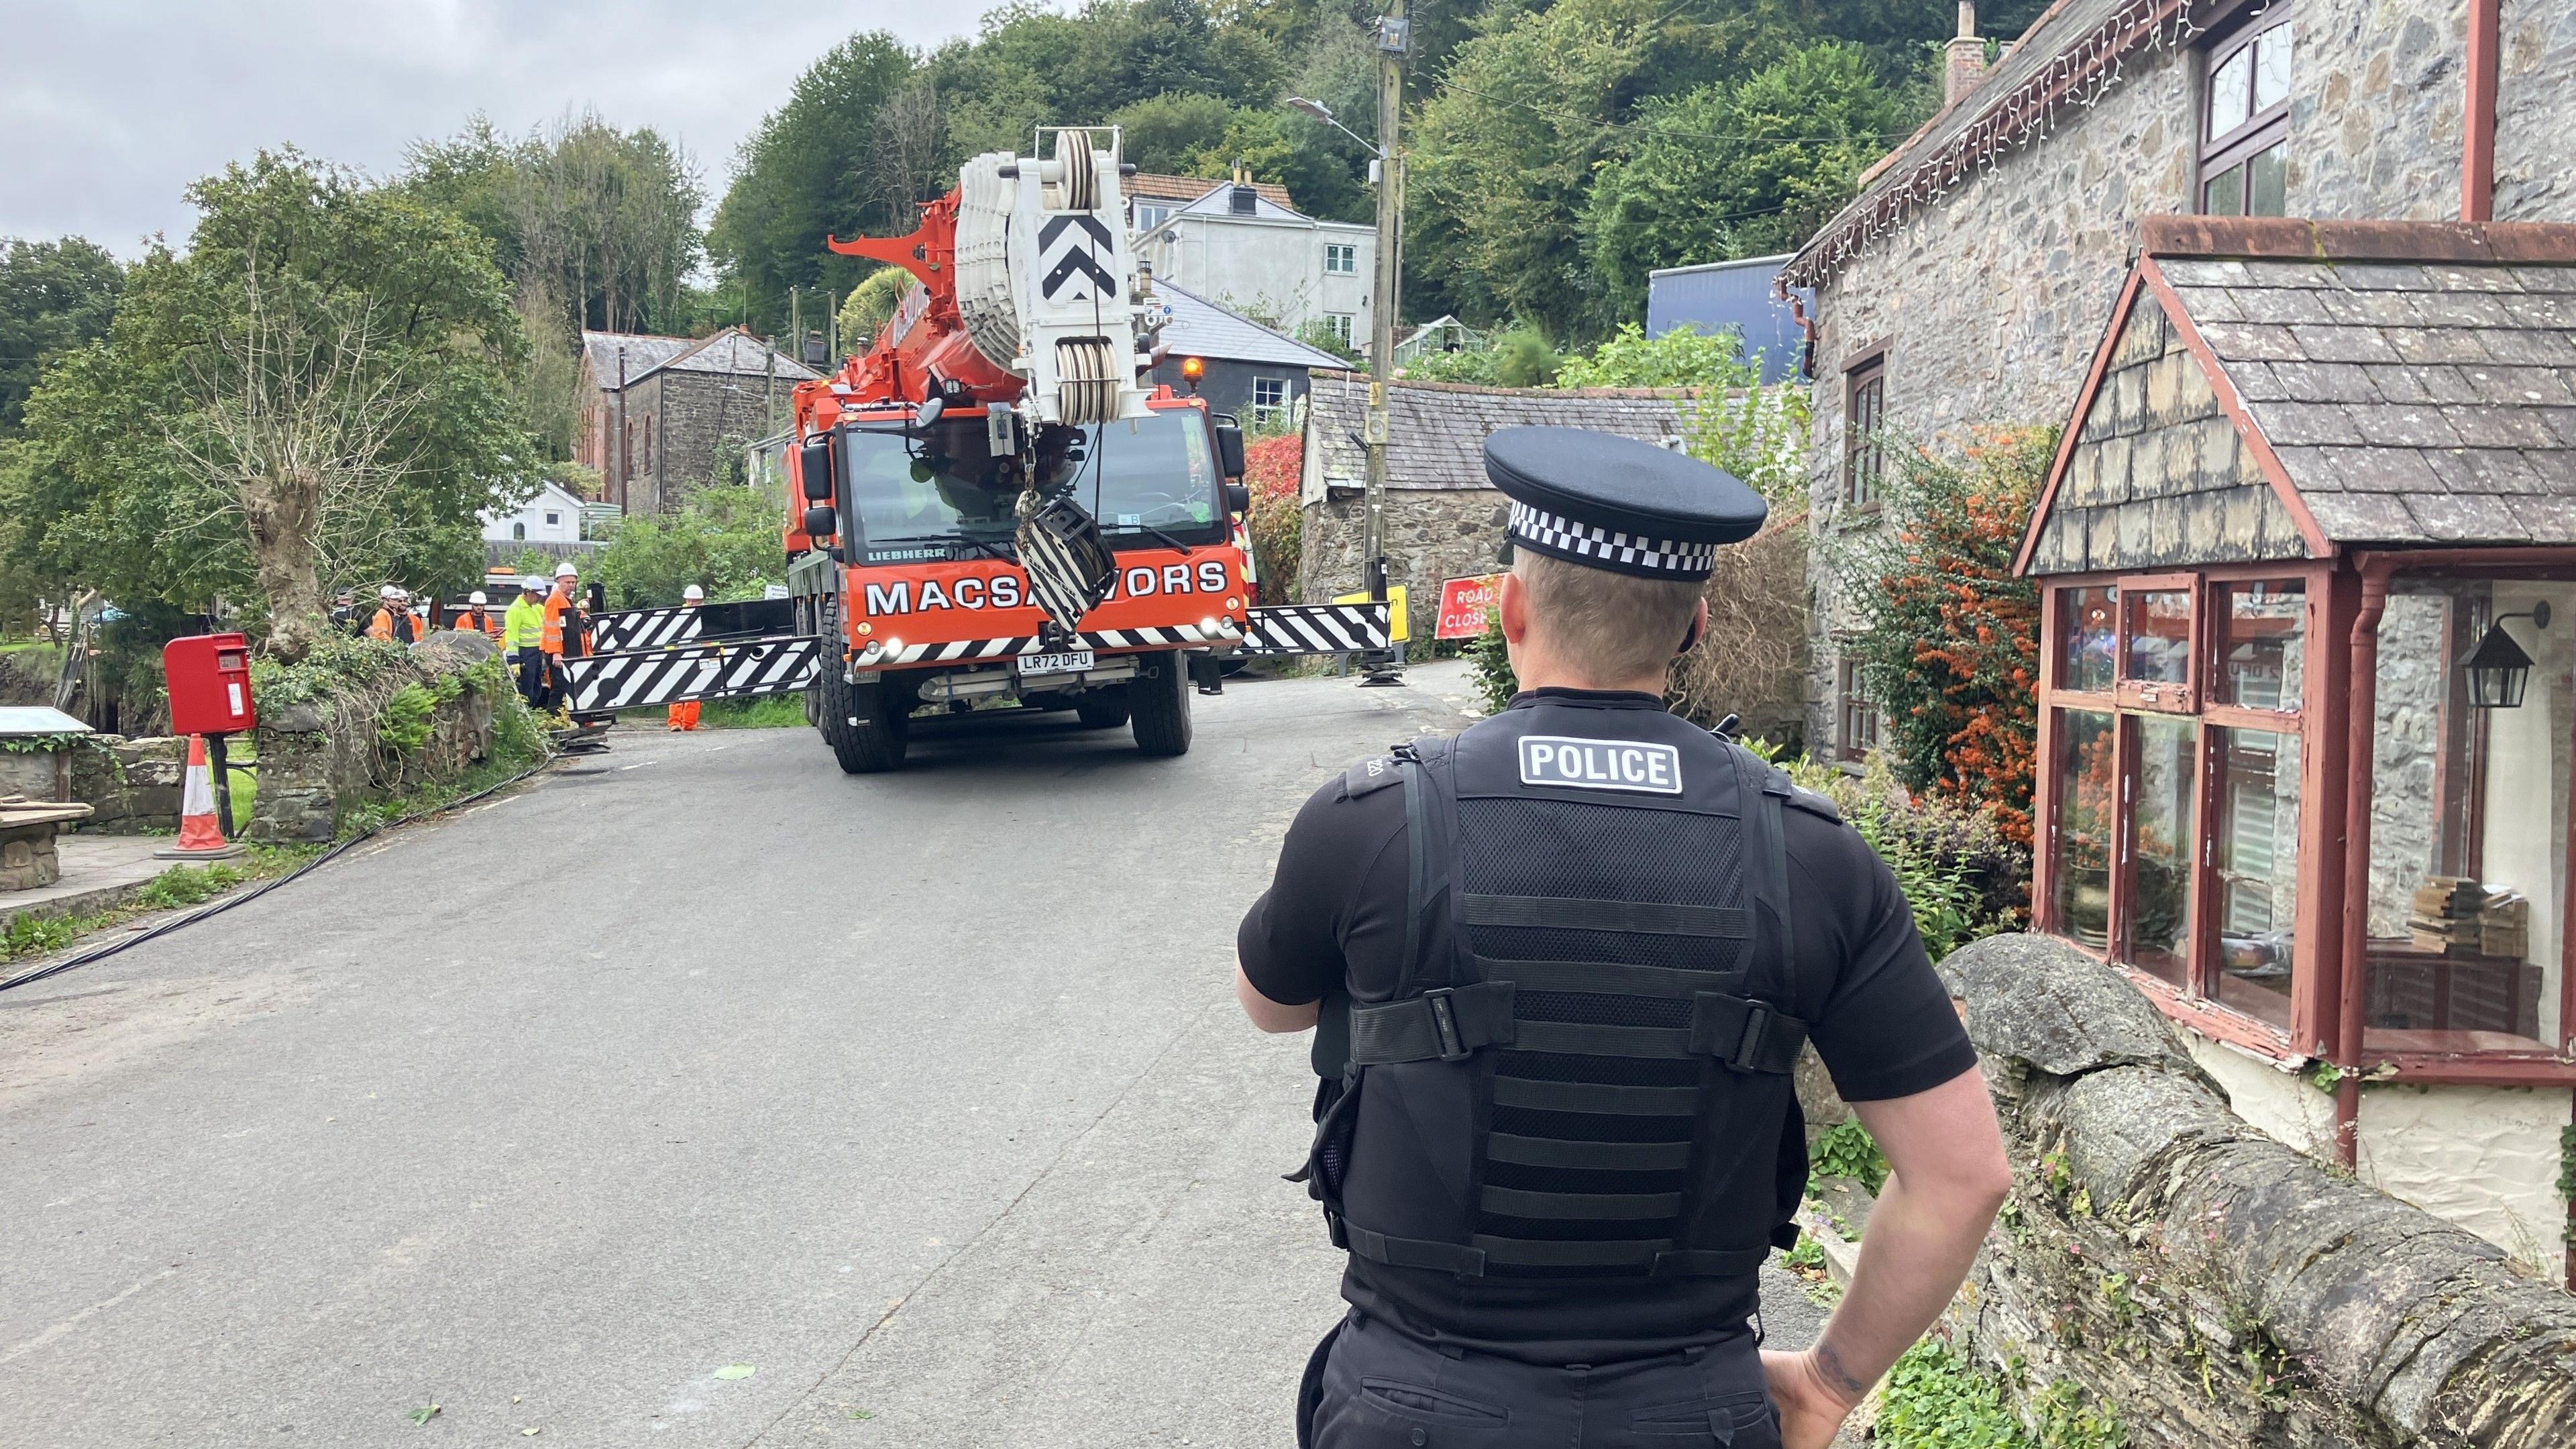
[(1966, 62)]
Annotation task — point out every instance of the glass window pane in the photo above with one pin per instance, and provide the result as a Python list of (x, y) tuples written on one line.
[(2225, 193), (2272, 68), (2160, 846), (2083, 836), (2091, 632), (2159, 647), (2468, 825), (2267, 182), (2257, 834), (2230, 92), (2262, 644)]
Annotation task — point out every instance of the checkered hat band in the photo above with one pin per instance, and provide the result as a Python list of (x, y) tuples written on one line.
[(1626, 552)]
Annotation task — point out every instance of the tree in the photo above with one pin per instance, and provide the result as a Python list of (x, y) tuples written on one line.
[(598, 221), (315, 395), (870, 305), (725, 540), (53, 295), (1737, 169), (1164, 133), (802, 176), (1505, 149)]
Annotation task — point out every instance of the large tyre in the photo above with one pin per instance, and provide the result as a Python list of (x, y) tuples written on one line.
[(867, 725), (1159, 701), (1102, 709)]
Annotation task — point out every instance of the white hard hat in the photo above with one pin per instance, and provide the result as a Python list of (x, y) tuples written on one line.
[(566, 569), (693, 592), (533, 582), (476, 597), (389, 592)]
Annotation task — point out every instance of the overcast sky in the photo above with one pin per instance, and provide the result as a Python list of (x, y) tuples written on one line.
[(109, 108)]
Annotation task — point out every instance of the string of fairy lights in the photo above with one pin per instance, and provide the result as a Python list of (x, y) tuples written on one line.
[(2077, 77)]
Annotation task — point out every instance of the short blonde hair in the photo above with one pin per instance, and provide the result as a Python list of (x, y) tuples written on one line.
[(1618, 626)]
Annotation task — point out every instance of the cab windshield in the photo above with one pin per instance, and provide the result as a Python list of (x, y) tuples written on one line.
[(914, 498)]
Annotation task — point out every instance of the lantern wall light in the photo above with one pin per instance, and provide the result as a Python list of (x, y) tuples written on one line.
[(2499, 672)]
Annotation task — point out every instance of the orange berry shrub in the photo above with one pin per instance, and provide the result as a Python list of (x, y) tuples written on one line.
[(1949, 637), (1272, 467)]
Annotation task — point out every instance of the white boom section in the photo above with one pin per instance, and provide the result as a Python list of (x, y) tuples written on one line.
[(1046, 282)]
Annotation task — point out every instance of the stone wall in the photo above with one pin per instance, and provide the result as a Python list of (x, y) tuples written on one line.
[(131, 786), (1990, 302), (2207, 1283), (1431, 535), (701, 423), (320, 762)]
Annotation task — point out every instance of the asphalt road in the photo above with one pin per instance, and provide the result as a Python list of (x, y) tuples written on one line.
[(923, 1096)]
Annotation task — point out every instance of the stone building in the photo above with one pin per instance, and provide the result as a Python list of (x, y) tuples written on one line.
[(1966, 285), (1444, 520), (2317, 487), (665, 416)]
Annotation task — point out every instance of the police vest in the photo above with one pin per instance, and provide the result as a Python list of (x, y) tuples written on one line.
[(1585, 1069)]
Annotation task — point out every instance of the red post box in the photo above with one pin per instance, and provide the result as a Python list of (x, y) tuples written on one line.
[(209, 684)]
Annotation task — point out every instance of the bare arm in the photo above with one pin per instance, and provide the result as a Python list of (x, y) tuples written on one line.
[(1946, 1176), (1269, 1015)]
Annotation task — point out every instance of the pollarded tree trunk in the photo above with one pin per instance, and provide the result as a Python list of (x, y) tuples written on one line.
[(284, 513)]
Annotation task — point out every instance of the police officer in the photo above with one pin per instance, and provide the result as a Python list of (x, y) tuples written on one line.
[(1563, 965)]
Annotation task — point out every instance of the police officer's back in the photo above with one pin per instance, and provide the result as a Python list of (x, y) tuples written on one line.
[(1563, 965)]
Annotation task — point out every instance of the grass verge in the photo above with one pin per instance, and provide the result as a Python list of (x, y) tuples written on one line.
[(179, 886)]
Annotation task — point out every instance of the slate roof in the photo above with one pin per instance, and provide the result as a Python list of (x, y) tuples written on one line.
[(1436, 430), (734, 350), (1154, 186), (644, 352), (1201, 328), (2407, 401)]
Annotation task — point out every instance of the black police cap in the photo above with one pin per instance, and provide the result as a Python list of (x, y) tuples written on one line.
[(1615, 503)]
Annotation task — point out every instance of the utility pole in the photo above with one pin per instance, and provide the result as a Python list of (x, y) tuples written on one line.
[(1394, 38)]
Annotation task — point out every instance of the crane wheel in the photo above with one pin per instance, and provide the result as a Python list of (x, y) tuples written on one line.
[(1158, 704), (867, 725), (1102, 709)]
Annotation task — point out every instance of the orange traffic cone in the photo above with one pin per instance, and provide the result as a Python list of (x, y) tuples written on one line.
[(201, 837)]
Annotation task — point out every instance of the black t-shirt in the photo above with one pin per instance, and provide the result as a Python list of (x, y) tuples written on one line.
[(1879, 1016)]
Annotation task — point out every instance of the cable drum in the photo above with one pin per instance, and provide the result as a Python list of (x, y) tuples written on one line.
[(1089, 393), (1079, 190)]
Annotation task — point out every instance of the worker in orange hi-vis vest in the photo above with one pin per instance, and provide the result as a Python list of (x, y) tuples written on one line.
[(684, 715), (393, 619), (475, 618), (551, 641)]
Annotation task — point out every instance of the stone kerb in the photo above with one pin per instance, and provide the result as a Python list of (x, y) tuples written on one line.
[(2210, 1284)]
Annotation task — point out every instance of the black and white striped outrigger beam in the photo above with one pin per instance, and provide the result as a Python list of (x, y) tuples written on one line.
[(734, 669), (625, 629), (1318, 629)]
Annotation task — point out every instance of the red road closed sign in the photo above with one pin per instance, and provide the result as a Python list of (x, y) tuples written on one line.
[(1463, 603)]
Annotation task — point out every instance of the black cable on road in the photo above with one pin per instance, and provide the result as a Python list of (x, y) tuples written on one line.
[(217, 908)]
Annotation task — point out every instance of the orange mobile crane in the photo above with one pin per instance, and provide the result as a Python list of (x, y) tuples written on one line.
[(988, 505)]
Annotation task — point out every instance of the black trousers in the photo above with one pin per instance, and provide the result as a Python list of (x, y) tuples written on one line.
[(533, 685), (1372, 1386)]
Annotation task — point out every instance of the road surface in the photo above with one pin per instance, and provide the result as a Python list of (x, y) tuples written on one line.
[(921, 1096)]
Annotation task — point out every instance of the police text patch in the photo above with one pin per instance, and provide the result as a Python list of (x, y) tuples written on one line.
[(1600, 764)]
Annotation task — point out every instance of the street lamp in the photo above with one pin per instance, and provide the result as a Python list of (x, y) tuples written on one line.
[(1324, 113)]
